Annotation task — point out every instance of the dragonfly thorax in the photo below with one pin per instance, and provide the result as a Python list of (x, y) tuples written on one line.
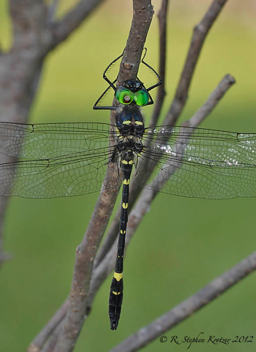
[(129, 121), (133, 144)]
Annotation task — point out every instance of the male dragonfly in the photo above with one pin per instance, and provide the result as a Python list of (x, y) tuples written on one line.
[(70, 159)]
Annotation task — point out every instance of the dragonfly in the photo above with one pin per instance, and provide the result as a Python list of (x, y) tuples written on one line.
[(70, 159)]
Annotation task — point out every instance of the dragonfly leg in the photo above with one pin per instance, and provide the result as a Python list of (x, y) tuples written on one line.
[(157, 75)]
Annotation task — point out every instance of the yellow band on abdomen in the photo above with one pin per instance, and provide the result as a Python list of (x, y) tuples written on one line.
[(118, 276)]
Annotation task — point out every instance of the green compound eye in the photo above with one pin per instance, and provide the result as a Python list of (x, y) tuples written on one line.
[(141, 97), (124, 95)]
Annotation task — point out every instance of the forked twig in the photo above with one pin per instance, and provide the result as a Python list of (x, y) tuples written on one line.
[(85, 254), (199, 35), (77, 308), (80, 305), (197, 41), (40, 339), (148, 195)]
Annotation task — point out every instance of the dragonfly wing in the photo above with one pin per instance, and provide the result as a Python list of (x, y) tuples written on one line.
[(202, 163), (49, 140), (66, 176)]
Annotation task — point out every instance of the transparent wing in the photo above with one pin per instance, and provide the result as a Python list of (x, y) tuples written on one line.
[(67, 176), (50, 140), (57, 160), (201, 163), (72, 160)]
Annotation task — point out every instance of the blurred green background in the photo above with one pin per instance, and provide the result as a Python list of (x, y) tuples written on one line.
[(182, 244)]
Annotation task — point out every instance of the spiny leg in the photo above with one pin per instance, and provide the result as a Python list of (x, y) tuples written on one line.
[(105, 72), (96, 107), (111, 85), (116, 289), (151, 68)]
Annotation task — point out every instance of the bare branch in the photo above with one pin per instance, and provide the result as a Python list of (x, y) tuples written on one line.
[(72, 20), (148, 195), (211, 102), (162, 22), (110, 238), (52, 10), (41, 338), (49, 335), (68, 328), (75, 316), (28, 19), (197, 41), (198, 38), (142, 17), (51, 342), (31, 29), (183, 310), (101, 272), (85, 253)]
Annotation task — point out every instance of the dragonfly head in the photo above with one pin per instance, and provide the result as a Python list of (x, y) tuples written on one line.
[(132, 92), (133, 86)]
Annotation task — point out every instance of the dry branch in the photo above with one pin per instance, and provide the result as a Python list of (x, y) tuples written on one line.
[(162, 23), (197, 41), (191, 305), (199, 35), (142, 17), (85, 254), (62, 331), (20, 68), (63, 28), (148, 195), (40, 339), (73, 322)]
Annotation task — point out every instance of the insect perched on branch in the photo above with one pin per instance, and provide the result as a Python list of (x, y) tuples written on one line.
[(70, 159)]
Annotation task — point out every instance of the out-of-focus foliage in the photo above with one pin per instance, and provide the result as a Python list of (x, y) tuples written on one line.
[(182, 244)]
